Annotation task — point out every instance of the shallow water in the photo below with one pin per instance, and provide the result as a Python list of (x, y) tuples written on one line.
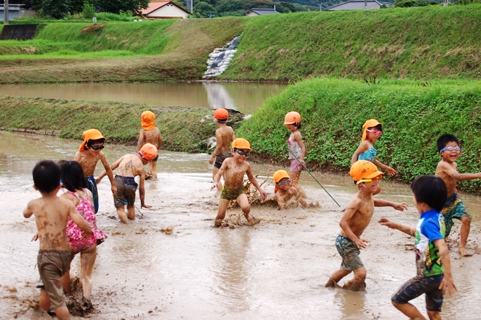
[(275, 270)]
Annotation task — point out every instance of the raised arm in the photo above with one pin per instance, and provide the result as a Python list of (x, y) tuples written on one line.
[(386, 168), (401, 227), (384, 203)]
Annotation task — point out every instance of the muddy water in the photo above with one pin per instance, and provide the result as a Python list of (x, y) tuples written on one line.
[(275, 270)]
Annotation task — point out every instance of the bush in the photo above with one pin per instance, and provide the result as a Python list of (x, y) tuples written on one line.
[(88, 11)]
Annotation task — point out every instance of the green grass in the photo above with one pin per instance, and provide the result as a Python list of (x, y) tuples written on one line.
[(414, 115)]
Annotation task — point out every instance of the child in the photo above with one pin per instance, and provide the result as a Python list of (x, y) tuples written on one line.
[(432, 255), (130, 166), (297, 150), (224, 135), (356, 218), (233, 170), (73, 180), (51, 215), (149, 133), (448, 148), (89, 153), (285, 191), (372, 131)]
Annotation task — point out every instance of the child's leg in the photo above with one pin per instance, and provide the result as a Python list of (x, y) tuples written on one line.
[(44, 300), (223, 204), (153, 169), (87, 260), (434, 315), (62, 313), (295, 177), (131, 211), (122, 214), (337, 276), (409, 310), (464, 235), (357, 283), (246, 208)]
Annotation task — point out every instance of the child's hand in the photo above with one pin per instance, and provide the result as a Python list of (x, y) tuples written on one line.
[(214, 185), (361, 243), (263, 194), (391, 171), (400, 206), (447, 284), (35, 237), (86, 236), (386, 222), (211, 160), (114, 189)]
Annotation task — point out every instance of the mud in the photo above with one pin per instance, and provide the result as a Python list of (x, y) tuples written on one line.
[(170, 263)]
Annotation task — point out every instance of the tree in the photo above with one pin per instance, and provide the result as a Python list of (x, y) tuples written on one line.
[(115, 6), (205, 10), (56, 9)]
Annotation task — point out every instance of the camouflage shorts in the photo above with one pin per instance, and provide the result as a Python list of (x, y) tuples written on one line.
[(349, 253)]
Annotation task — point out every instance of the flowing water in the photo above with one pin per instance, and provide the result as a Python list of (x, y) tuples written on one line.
[(274, 270)]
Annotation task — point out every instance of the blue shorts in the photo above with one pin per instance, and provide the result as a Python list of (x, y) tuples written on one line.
[(415, 287), (349, 253), (92, 186)]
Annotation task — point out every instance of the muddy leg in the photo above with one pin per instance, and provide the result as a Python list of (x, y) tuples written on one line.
[(409, 310), (44, 300), (336, 277), (357, 283), (223, 203), (62, 313), (122, 214), (153, 169), (131, 211), (464, 236), (87, 260), (246, 208)]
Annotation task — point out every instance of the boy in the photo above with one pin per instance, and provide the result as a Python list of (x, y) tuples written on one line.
[(150, 134), (233, 170), (51, 214), (224, 135), (89, 153), (448, 148), (130, 166), (356, 218), (286, 191), (432, 255)]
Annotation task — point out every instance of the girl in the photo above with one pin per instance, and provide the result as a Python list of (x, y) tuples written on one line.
[(297, 150), (74, 181), (372, 131)]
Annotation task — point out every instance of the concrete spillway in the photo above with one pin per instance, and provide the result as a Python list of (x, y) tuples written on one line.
[(220, 58)]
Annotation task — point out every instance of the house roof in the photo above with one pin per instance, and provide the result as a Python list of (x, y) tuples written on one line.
[(356, 5), (156, 5), (263, 11)]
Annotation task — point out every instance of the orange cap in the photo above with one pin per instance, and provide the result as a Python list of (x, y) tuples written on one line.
[(148, 118), (364, 169), (279, 175), (292, 117), (241, 143), (221, 114), (148, 152), (369, 124), (90, 134)]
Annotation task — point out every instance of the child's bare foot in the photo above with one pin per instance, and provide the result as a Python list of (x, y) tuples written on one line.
[(218, 223), (354, 285), (252, 221), (462, 251), (332, 284)]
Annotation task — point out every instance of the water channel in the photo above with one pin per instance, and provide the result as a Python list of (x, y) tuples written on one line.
[(275, 270)]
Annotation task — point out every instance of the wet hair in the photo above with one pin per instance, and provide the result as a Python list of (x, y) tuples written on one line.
[(445, 139), (46, 176), (430, 190), (91, 142), (72, 175)]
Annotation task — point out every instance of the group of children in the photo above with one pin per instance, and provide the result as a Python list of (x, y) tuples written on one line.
[(77, 231)]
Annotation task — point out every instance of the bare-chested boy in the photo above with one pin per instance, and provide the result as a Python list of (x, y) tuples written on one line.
[(89, 153), (51, 214), (286, 191), (130, 166), (149, 133), (448, 148), (233, 170), (224, 135), (356, 218)]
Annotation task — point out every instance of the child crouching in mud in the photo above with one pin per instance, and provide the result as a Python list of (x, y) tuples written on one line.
[(233, 170), (356, 218), (286, 192)]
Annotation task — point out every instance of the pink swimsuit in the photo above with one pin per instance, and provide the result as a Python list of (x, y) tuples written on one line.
[(75, 235)]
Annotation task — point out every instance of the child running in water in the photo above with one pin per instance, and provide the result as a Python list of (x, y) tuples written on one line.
[(447, 169), (355, 220), (233, 170), (51, 216), (74, 181), (433, 266), (286, 192), (297, 150), (89, 153), (224, 135), (149, 133), (372, 131)]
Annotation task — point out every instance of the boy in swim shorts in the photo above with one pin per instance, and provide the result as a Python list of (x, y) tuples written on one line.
[(356, 218), (233, 170), (89, 153), (149, 133), (224, 135), (448, 148), (51, 215), (433, 266), (130, 166)]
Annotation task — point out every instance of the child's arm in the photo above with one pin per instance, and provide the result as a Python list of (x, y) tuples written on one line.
[(401, 227), (219, 174), (143, 174), (381, 165), (280, 201), (141, 140), (363, 147), (110, 174), (453, 173), (79, 220), (298, 138), (384, 203), (447, 284), (159, 141), (114, 166), (27, 213), (255, 183), (351, 209)]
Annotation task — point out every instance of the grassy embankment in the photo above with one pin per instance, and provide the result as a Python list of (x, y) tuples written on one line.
[(414, 115)]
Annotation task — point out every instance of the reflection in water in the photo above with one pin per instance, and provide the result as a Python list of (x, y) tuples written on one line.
[(352, 303), (246, 97)]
